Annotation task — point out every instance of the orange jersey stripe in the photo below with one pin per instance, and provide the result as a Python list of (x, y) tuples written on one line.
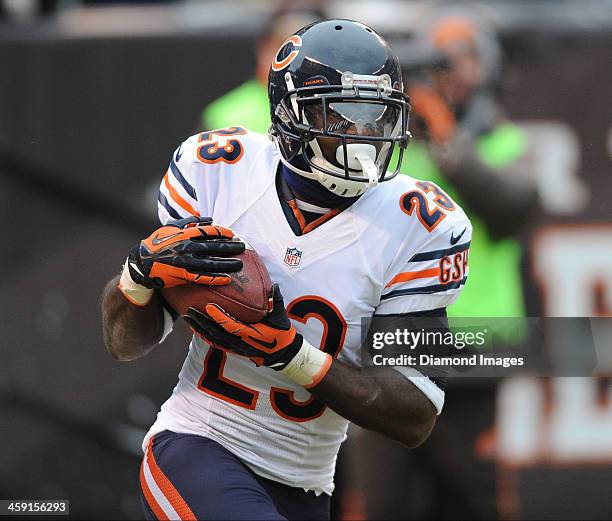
[(176, 197), (298, 214), (318, 222), (411, 275), (172, 495), (153, 504), (308, 227)]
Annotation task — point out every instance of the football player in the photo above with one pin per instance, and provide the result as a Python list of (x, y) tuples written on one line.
[(253, 427)]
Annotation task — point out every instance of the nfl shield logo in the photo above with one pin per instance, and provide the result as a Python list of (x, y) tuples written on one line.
[(293, 257)]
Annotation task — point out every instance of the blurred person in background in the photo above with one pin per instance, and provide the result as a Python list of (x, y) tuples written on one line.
[(248, 103), (464, 143)]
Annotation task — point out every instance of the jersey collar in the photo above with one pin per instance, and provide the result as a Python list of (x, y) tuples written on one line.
[(301, 221)]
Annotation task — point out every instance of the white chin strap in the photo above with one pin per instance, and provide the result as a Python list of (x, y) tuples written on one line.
[(361, 157)]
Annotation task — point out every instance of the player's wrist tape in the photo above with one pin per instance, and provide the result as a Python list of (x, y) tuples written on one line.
[(136, 293), (308, 366)]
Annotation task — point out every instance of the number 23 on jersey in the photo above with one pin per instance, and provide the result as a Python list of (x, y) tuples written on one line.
[(221, 145), (283, 401)]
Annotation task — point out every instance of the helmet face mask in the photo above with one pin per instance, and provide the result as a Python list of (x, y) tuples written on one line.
[(344, 125)]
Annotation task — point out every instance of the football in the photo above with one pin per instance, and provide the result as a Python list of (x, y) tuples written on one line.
[(246, 297)]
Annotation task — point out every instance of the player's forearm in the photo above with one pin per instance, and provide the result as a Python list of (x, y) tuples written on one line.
[(129, 331), (380, 400)]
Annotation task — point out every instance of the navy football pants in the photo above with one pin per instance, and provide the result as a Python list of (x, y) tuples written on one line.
[(184, 476)]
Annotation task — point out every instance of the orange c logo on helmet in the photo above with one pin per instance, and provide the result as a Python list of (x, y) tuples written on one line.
[(280, 65)]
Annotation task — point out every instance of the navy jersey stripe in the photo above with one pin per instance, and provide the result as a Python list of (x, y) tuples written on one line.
[(425, 290), (438, 254), (164, 202), (184, 183)]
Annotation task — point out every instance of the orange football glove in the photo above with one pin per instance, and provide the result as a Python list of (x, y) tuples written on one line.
[(191, 250), (272, 342)]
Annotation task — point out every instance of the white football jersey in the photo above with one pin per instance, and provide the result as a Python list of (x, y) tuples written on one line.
[(402, 247)]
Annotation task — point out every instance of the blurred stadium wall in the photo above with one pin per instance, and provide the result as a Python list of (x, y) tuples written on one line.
[(92, 103)]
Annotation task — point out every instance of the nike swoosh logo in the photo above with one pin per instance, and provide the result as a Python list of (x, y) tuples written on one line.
[(158, 240), (267, 345), (455, 240)]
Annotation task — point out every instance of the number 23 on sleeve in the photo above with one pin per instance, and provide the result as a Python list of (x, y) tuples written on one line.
[(221, 145), (417, 200)]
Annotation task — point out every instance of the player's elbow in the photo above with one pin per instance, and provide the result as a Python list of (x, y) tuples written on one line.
[(117, 351), (417, 432), (417, 427), (120, 350), (121, 356)]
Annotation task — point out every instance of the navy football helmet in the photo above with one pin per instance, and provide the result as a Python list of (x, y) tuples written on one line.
[(337, 106)]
